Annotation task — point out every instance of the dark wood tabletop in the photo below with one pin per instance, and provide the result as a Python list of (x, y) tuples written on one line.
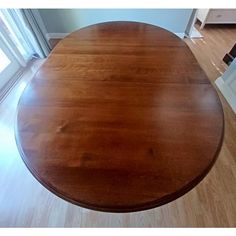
[(120, 118)]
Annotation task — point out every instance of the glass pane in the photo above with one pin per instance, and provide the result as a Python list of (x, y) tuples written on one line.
[(4, 61), (5, 24)]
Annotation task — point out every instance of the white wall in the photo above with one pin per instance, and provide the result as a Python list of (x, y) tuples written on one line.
[(69, 20)]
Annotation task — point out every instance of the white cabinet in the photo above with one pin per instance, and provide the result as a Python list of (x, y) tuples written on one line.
[(227, 85), (216, 16)]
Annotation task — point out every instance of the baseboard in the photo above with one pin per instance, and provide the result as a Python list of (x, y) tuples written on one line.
[(227, 93), (4, 91), (56, 35), (63, 35), (180, 35)]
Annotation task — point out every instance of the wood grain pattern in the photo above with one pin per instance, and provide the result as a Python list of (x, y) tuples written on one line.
[(120, 118)]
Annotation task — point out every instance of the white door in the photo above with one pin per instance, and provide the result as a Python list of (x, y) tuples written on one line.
[(8, 64)]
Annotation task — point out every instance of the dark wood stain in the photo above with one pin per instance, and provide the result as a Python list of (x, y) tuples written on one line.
[(120, 118)]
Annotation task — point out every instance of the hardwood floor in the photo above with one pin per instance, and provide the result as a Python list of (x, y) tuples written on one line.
[(25, 203)]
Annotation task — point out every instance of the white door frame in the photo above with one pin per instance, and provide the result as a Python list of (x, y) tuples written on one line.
[(13, 67), (191, 23)]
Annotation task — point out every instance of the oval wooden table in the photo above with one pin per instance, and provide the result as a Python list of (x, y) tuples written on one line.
[(120, 118)]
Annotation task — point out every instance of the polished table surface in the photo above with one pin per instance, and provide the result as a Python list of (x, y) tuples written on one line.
[(120, 118)]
